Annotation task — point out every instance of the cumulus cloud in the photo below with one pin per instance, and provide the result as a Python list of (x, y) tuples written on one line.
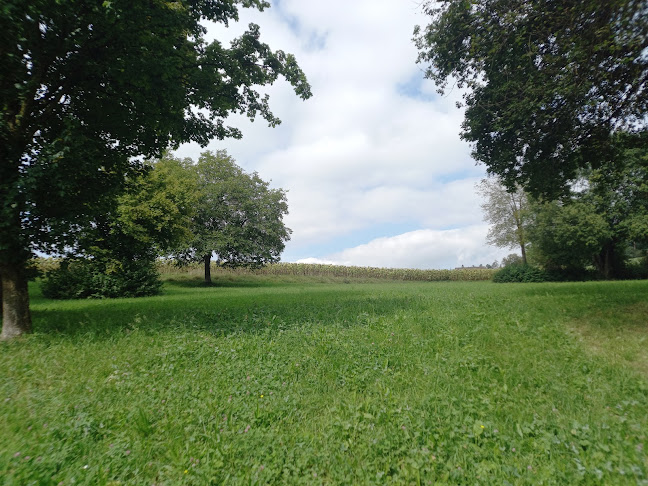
[(375, 147), (421, 249)]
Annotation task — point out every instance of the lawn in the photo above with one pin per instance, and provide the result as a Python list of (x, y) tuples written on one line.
[(270, 380)]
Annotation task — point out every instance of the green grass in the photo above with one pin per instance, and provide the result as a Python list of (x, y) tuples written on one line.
[(263, 380)]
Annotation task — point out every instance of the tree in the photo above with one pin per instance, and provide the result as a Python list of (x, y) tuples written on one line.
[(87, 88), (115, 253), (239, 218), (600, 217), (511, 259), (549, 82), (506, 211), (567, 236), (158, 208)]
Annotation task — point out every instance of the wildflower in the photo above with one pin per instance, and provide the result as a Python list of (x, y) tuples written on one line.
[(261, 396), (482, 426), (86, 466), (16, 454), (186, 471), (247, 429), (127, 452)]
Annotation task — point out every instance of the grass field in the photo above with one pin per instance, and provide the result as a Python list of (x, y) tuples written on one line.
[(263, 380)]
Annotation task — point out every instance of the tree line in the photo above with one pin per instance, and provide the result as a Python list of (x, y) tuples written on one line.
[(600, 223)]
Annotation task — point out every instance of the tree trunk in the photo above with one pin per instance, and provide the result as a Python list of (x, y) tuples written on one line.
[(16, 318), (524, 259), (608, 263), (207, 261)]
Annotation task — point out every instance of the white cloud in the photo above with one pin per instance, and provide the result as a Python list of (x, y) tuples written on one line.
[(423, 249), (374, 147)]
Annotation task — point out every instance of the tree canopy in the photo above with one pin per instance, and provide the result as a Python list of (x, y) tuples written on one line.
[(89, 87), (548, 82), (238, 218)]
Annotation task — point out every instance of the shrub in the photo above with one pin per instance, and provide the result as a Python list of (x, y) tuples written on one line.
[(637, 269), (520, 273), (78, 279)]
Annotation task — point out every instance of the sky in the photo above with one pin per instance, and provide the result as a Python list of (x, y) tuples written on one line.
[(374, 168)]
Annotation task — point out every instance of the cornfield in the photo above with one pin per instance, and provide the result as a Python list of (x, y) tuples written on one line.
[(339, 271)]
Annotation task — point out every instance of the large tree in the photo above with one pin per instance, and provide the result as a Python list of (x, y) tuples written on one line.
[(238, 218), (548, 82), (87, 87), (506, 211)]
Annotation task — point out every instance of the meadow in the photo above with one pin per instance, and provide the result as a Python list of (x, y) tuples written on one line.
[(304, 380)]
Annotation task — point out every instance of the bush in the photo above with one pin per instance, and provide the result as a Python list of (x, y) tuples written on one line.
[(637, 269), (520, 273), (79, 279)]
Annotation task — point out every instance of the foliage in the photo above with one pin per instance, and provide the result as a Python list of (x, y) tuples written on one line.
[(115, 252), (598, 219), (157, 209), (548, 81), (568, 234), (520, 273), (238, 217), (85, 278), (512, 259), (89, 87), (390, 383), (507, 213), (75, 110)]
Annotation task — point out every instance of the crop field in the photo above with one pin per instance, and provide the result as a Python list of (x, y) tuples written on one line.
[(264, 379), (323, 271)]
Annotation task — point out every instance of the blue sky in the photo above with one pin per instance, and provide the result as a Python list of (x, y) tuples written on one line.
[(373, 164)]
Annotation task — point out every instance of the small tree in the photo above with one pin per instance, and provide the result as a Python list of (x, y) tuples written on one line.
[(506, 211), (511, 259), (115, 254), (567, 235), (239, 218)]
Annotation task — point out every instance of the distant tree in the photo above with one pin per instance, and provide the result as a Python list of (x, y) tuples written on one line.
[(506, 211), (239, 218), (88, 87), (548, 81), (511, 259)]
